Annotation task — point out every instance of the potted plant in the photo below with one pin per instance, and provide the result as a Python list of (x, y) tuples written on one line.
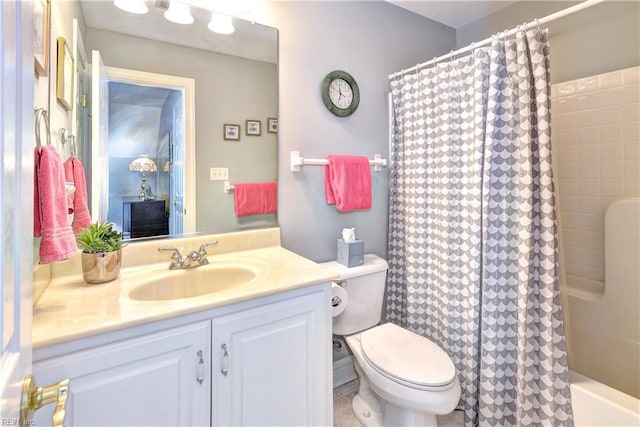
[(101, 252)]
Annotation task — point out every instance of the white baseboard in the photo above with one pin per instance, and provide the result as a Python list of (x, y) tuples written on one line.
[(343, 371)]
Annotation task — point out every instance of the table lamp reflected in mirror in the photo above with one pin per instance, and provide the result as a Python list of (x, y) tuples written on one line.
[(144, 164)]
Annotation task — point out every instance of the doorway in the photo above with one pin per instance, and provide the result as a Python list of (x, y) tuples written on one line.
[(144, 124), (150, 118)]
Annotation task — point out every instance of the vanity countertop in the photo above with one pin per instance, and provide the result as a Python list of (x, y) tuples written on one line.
[(70, 309)]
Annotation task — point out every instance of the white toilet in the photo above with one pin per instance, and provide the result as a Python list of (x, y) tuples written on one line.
[(405, 379)]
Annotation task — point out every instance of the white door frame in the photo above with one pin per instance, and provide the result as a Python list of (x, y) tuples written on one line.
[(16, 201), (188, 88)]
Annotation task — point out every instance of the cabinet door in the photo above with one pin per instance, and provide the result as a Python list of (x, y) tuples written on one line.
[(158, 379), (271, 364)]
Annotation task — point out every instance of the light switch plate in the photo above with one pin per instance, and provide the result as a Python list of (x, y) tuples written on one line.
[(219, 174)]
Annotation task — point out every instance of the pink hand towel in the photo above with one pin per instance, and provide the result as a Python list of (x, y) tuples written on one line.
[(347, 182), (255, 198), (50, 207), (270, 197), (78, 201)]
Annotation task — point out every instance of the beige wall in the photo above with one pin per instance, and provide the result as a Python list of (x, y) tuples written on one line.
[(602, 38), (596, 128), (596, 151)]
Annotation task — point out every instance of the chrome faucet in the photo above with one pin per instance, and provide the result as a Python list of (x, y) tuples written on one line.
[(176, 258), (192, 260)]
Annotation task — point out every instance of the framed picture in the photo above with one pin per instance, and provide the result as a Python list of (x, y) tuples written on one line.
[(231, 132), (253, 128), (64, 85), (41, 11), (272, 125)]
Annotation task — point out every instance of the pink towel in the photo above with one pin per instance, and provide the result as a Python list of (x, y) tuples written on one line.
[(50, 220), (255, 198), (347, 182), (78, 201)]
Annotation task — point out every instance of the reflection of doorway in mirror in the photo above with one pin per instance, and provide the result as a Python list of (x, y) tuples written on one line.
[(147, 116), (141, 120), (172, 87), (176, 184)]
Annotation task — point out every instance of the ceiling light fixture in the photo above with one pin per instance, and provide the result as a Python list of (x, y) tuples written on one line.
[(234, 7), (132, 6), (178, 13), (221, 24)]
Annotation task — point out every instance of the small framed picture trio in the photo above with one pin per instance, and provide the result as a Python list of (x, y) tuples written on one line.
[(231, 132)]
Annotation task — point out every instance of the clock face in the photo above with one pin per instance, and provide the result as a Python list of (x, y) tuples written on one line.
[(340, 93)]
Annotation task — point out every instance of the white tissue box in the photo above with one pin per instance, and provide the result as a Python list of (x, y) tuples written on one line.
[(350, 254)]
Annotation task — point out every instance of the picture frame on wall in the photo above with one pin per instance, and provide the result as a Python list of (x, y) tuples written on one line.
[(272, 125), (41, 35), (231, 132), (253, 127), (65, 69)]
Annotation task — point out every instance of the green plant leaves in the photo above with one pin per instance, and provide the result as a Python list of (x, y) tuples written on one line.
[(99, 237)]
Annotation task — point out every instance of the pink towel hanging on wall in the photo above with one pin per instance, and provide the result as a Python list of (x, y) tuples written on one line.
[(255, 198), (347, 182), (50, 217), (78, 201)]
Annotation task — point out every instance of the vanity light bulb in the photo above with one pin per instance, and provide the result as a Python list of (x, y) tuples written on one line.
[(221, 24), (178, 13), (132, 6)]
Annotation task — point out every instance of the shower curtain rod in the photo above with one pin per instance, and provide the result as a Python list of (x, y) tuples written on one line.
[(541, 21)]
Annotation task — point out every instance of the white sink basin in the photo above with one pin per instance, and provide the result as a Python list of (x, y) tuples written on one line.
[(177, 284)]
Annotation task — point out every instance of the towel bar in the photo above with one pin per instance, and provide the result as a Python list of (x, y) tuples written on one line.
[(228, 188), (298, 161)]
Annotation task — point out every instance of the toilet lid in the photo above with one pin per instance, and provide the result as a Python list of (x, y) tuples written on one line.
[(406, 356)]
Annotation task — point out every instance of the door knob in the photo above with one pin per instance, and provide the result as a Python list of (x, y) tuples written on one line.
[(34, 398)]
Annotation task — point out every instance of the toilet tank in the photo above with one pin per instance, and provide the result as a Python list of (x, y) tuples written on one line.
[(365, 288)]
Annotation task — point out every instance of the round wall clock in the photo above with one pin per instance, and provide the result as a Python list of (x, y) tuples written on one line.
[(340, 93)]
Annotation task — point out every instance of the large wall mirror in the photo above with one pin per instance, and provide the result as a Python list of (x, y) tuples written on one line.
[(187, 112)]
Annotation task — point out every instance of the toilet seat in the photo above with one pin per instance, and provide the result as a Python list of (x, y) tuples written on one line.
[(407, 358)]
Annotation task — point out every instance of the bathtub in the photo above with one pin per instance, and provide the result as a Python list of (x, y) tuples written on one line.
[(595, 404)]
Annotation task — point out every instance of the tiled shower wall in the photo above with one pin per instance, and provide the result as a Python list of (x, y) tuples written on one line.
[(596, 146)]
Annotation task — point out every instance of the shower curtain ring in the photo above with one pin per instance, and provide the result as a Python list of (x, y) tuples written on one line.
[(537, 23)]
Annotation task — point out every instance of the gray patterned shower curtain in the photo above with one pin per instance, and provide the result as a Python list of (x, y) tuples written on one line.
[(473, 250)]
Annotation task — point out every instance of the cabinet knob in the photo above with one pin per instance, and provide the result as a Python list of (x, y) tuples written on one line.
[(225, 360), (34, 398)]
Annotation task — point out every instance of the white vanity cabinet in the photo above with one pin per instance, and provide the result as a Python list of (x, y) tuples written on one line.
[(265, 361), (161, 379), (270, 367)]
